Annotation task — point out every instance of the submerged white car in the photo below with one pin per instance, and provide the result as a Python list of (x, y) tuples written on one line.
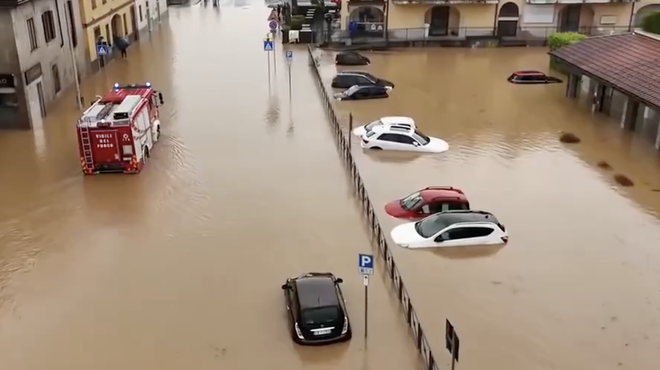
[(406, 122), (451, 229), (401, 138)]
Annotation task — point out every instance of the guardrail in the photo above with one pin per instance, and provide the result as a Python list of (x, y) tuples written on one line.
[(377, 238)]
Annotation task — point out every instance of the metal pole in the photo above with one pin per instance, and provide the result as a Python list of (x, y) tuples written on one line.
[(274, 55), (453, 350), (289, 81), (70, 27), (350, 130), (366, 304), (268, 55)]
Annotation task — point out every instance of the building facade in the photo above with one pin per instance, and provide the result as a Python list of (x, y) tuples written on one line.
[(150, 13), (523, 19), (41, 40)]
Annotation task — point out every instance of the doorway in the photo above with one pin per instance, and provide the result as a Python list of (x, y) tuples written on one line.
[(570, 18), (36, 105), (136, 31), (507, 20), (439, 24), (149, 21)]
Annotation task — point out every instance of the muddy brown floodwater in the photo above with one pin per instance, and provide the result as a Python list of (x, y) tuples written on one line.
[(180, 267), (578, 285)]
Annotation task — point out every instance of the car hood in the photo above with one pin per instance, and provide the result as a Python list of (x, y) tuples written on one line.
[(405, 235), (395, 210), (382, 82), (437, 145), (360, 130)]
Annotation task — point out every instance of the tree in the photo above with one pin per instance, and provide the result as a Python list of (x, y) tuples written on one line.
[(651, 23), (561, 39)]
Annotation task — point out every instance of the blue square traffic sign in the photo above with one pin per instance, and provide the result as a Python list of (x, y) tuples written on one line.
[(289, 55), (268, 45), (102, 50), (366, 264)]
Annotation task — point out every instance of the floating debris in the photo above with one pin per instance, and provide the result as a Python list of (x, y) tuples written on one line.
[(604, 165), (623, 180), (569, 138)]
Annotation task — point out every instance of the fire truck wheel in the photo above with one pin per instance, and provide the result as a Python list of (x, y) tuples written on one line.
[(157, 133), (145, 153)]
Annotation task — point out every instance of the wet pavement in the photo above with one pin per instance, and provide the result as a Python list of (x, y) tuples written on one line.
[(577, 285), (180, 267)]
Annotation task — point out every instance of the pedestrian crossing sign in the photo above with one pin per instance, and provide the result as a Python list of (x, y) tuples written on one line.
[(268, 45)]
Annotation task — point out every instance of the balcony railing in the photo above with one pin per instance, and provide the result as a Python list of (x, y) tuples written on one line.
[(444, 2), (461, 33)]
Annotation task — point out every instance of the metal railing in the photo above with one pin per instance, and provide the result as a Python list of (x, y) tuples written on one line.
[(539, 33), (377, 237)]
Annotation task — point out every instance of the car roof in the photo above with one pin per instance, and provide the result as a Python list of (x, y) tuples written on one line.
[(528, 73), (393, 129), (316, 291), (444, 219), (393, 120), (444, 192)]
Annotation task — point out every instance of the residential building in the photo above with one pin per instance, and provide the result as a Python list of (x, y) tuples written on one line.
[(616, 75), (522, 19), (107, 19), (150, 13), (41, 42)]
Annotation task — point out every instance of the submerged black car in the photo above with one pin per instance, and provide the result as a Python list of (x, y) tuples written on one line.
[(346, 79), (532, 77), (363, 92), (351, 58), (316, 307)]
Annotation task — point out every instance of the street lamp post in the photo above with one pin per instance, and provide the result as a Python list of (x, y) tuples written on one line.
[(74, 60)]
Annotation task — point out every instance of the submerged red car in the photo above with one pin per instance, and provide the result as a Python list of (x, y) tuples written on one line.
[(428, 201)]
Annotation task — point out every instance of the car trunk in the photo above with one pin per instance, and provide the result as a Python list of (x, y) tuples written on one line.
[(322, 322)]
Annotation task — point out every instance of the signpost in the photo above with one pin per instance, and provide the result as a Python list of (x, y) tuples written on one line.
[(101, 52), (289, 60), (452, 343), (366, 268), (268, 47)]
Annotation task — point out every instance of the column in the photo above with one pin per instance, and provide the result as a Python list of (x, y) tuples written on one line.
[(629, 116), (572, 86)]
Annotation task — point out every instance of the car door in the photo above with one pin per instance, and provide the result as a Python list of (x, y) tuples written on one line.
[(458, 236), (345, 81), (408, 143), (401, 142), (387, 141)]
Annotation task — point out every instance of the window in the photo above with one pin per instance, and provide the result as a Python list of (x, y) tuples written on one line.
[(321, 315), (97, 33), (436, 207), (140, 10), (388, 137), (411, 201), (32, 34), (363, 80), (56, 78), (467, 232), (108, 35), (48, 22), (93, 4), (8, 100), (371, 133), (455, 206), (406, 140), (125, 26), (72, 21), (423, 139), (369, 77)]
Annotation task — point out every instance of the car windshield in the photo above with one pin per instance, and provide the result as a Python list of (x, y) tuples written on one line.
[(430, 225), (370, 133), (320, 315), (373, 124), (411, 201), (423, 139), (352, 90), (369, 76)]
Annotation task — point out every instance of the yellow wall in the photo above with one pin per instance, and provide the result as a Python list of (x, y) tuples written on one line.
[(102, 16), (470, 15), (595, 12)]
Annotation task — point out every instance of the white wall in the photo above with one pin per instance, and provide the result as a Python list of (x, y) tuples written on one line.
[(154, 6)]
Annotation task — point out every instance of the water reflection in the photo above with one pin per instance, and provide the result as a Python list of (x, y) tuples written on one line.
[(467, 252)]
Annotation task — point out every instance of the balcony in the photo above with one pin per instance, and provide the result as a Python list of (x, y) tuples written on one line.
[(540, 2), (12, 3), (444, 2)]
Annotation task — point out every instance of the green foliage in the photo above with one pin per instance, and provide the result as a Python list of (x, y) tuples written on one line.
[(296, 22), (561, 39), (651, 23)]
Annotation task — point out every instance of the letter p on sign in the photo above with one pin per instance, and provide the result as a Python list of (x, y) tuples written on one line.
[(366, 264)]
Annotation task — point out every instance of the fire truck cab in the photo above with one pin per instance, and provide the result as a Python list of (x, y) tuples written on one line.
[(118, 131)]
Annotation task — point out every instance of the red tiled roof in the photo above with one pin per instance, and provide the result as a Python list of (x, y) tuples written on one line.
[(629, 62)]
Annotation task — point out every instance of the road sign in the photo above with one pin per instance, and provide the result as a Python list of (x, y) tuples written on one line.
[(101, 50), (452, 342), (289, 55), (268, 45), (272, 25), (366, 264)]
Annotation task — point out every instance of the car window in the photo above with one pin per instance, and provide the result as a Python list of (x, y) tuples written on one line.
[(321, 315), (456, 206), (469, 232), (404, 139), (363, 80), (373, 124), (421, 138), (388, 137), (436, 207), (411, 201), (370, 77), (351, 90), (431, 225), (371, 133)]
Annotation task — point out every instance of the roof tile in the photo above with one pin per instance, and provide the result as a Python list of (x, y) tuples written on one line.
[(630, 62)]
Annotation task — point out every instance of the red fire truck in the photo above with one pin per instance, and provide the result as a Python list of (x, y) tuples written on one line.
[(117, 132)]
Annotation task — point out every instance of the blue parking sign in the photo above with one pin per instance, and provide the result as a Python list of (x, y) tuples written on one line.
[(366, 264)]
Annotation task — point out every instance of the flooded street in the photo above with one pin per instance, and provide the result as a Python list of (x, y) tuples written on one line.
[(180, 267), (577, 285)]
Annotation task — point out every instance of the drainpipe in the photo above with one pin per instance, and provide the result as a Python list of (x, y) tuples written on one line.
[(497, 7), (632, 13), (387, 21)]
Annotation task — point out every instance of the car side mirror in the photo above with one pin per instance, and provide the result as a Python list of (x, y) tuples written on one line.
[(415, 143), (339, 280), (285, 286), (160, 97), (440, 239)]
